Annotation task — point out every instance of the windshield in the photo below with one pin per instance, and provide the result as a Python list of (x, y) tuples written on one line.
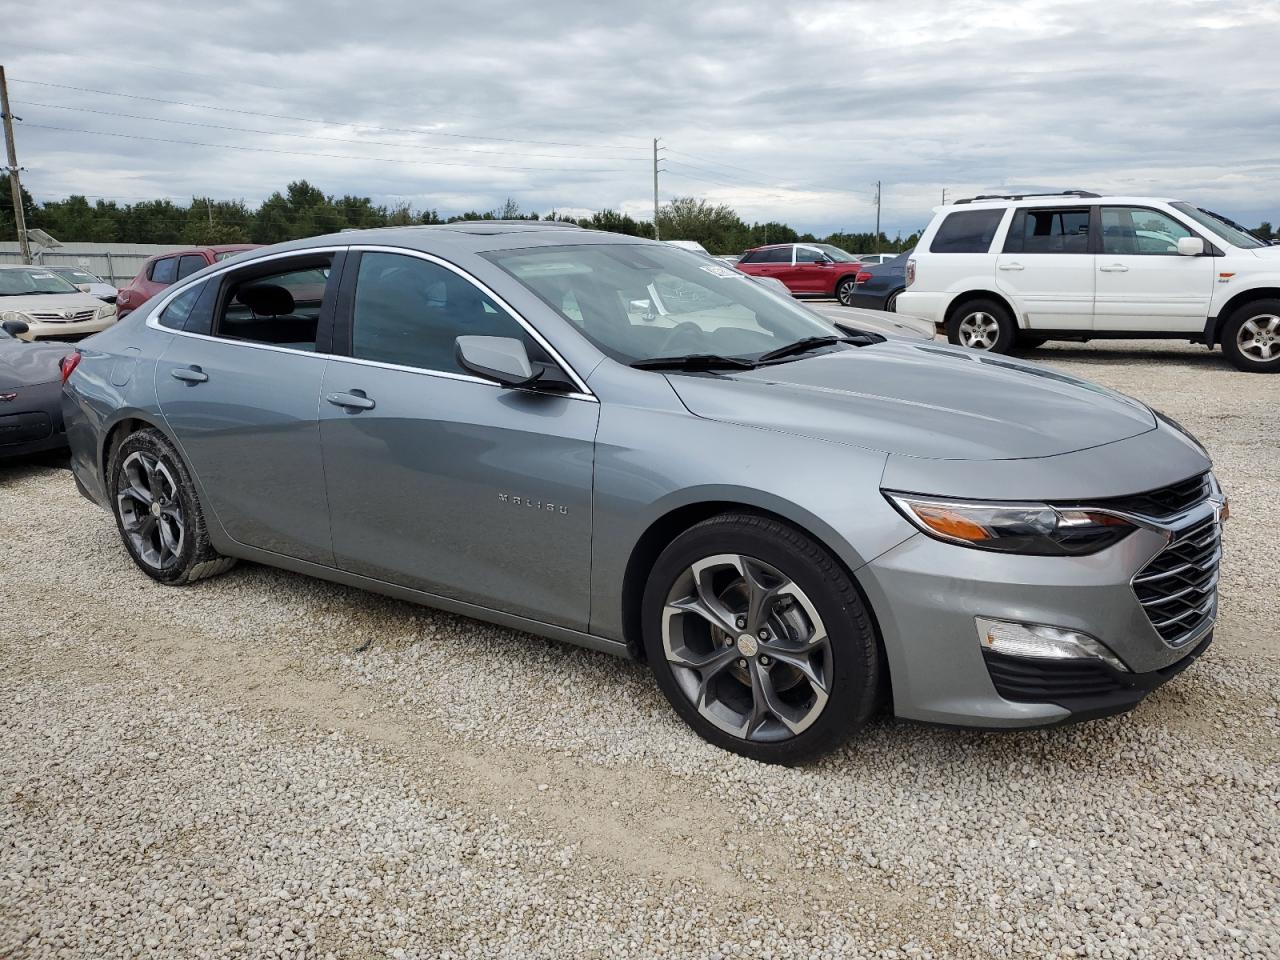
[(643, 301), (75, 276), (24, 282), (1233, 233), (835, 253)]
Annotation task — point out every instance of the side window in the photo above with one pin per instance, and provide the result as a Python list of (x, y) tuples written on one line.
[(190, 264), (966, 231), (808, 255), (410, 312), (280, 308), (174, 316), (777, 255), (751, 258), (1049, 230), (164, 271), (1140, 231)]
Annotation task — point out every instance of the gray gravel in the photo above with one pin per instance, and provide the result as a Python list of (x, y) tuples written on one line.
[(265, 765)]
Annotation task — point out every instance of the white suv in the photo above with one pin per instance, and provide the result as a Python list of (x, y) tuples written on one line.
[(995, 271)]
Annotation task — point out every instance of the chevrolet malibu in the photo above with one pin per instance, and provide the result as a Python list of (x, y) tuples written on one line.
[(618, 444)]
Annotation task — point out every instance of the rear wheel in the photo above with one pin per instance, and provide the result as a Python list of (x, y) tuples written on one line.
[(891, 305), (760, 641), (845, 289), (1251, 337), (982, 325), (158, 512)]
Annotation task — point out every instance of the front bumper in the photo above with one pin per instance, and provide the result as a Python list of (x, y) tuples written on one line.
[(69, 332), (927, 594)]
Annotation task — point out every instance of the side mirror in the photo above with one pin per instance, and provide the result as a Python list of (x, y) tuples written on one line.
[(15, 328), (502, 359), (1190, 246)]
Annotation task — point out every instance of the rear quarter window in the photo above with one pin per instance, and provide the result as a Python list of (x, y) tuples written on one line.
[(966, 231), (164, 271)]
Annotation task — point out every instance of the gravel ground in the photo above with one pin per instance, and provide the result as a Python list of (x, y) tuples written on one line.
[(266, 765)]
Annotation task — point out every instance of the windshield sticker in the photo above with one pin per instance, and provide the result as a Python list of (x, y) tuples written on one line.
[(722, 272), (42, 276)]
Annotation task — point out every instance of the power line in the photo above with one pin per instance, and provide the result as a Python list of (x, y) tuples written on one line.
[(303, 136), (324, 156), (811, 183), (329, 123)]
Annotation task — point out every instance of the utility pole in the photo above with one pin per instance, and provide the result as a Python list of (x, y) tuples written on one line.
[(15, 185), (944, 196), (877, 216), (655, 188), (208, 206)]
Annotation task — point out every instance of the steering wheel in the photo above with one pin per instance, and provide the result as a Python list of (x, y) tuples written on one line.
[(687, 332)]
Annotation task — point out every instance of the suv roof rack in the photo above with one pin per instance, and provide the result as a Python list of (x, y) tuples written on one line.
[(1026, 196)]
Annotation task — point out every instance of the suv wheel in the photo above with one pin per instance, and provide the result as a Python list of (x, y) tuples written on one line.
[(158, 513), (760, 641), (982, 325), (1251, 337), (845, 288)]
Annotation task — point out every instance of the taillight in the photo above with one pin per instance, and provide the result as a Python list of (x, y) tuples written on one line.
[(862, 277), (68, 365), (911, 272)]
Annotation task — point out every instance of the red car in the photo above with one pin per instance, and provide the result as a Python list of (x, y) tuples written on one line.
[(165, 268), (808, 269)]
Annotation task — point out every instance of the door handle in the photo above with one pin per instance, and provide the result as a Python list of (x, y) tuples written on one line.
[(355, 400), (192, 374), (1115, 268), (1012, 266)]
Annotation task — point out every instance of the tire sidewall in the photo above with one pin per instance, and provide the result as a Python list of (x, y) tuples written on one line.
[(153, 442), (891, 305), (854, 651), (845, 288), (1232, 329), (1008, 329)]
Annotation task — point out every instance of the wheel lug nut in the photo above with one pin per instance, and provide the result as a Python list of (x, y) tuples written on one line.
[(742, 623), (764, 661), (742, 663), (763, 634)]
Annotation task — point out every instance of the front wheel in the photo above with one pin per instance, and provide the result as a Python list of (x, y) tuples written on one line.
[(759, 639), (1251, 337), (845, 289), (982, 325)]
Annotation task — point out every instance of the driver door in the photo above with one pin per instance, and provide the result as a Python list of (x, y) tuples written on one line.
[(812, 272)]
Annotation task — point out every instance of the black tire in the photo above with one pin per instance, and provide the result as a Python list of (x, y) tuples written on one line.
[(1264, 315), (194, 558), (891, 305), (853, 672), (1029, 341), (845, 288), (983, 313)]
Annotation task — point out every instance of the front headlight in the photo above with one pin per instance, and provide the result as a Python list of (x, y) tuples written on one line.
[(1032, 528), (106, 310), (16, 315)]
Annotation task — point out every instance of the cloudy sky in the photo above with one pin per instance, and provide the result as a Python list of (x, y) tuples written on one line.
[(787, 111)]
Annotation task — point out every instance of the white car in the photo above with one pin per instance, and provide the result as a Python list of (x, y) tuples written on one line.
[(52, 308), (997, 271), (87, 282)]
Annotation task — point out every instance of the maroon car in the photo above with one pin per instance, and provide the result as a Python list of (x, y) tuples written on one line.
[(166, 268), (808, 269)]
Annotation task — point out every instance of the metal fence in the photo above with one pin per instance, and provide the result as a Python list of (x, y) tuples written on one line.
[(116, 263)]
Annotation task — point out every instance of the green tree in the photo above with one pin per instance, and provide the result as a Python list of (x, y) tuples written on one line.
[(716, 226)]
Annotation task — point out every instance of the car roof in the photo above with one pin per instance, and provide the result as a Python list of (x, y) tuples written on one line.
[(1052, 200), (212, 248)]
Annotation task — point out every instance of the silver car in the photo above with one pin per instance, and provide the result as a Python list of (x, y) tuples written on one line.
[(615, 443)]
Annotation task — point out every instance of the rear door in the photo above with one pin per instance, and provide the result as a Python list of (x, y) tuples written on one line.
[(239, 386), (1046, 267), (1143, 283), (442, 481)]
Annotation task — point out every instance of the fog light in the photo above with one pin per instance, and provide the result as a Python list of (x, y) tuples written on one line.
[(1040, 640)]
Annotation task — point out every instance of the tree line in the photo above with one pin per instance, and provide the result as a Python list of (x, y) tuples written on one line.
[(303, 210)]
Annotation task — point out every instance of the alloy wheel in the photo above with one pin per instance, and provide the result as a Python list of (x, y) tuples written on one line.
[(747, 647), (1259, 338), (979, 330), (845, 292), (151, 510)]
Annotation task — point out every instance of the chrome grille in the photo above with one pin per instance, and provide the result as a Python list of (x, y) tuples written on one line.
[(1179, 587), (57, 316), (1161, 503)]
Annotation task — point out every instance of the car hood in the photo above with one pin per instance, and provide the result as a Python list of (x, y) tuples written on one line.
[(26, 364), (49, 301), (877, 321), (921, 400)]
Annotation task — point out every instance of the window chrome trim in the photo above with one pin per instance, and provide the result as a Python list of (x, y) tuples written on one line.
[(178, 288)]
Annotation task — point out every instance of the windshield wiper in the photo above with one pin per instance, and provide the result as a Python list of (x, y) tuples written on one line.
[(805, 345), (695, 361)]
